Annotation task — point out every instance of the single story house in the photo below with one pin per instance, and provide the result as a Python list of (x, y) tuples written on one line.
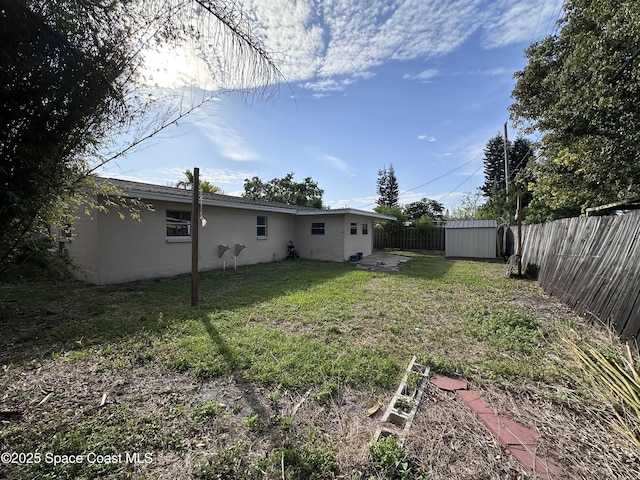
[(471, 238), (108, 249)]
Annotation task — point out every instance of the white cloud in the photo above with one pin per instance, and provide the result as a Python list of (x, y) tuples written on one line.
[(327, 45), (362, 203), (227, 176), (511, 22), (428, 138), (424, 76), (217, 176), (230, 144), (337, 163), (497, 72)]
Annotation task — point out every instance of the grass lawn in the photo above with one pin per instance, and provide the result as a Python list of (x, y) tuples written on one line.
[(271, 376)]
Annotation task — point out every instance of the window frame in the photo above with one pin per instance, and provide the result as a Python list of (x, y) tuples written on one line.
[(317, 228), (179, 223), (354, 228), (365, 229), (264, 226)]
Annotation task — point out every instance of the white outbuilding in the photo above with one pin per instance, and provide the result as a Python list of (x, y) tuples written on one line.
[(471, 238)]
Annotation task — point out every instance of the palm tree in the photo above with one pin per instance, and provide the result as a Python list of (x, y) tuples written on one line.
[(205, 185)]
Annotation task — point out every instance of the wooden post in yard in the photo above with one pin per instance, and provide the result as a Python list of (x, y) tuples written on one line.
[(519, 211), (195, 219)]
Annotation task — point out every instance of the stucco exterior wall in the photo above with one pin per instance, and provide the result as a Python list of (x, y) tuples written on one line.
[(329, 246), (83, 248), (110, 250), (337, 243), (360, 242), (107, 249), (232, 226)]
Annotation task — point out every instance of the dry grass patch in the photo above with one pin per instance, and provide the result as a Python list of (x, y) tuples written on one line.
[(211, 391)]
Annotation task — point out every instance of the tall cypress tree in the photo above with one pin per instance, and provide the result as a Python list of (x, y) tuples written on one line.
[(388, 190), (520, 151)]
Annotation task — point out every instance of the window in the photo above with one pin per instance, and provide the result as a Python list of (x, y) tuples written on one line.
[(261, 226), (365, 228), (178, 223), (354, 228), (317, 228)]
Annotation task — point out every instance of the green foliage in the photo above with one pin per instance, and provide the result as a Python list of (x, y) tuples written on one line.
[(297, 457), (424, 213), (207, 410), (423, 223), (73, 98), (562, 188), (507, 330), (387, 187), (501, 201), (391, 461), (390, 225), (307, 461), (579, 90), (230, 462), (469, 207), (254, 422), (61, 84), (205, 185), (285, 190)]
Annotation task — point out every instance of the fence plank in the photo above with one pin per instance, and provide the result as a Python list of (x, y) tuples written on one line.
[(409, 239), (592, 264)]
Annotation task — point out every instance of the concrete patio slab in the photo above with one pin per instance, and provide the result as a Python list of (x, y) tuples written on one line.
[(382, 261)]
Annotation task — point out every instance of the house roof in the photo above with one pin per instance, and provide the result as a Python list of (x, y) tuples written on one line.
[(471, 224), (149, 191)]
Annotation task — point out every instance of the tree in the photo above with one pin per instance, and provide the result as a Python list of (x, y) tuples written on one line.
[(205, 185), (579, 89), (426, 207), (501, 202), (392, 211), (60, 82), (468, 208), (71, 84), (285, 190), (387, 187)]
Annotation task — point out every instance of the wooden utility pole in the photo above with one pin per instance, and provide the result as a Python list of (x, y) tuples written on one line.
[(195, 219), (506, 163), (519, 215), (506, 188)]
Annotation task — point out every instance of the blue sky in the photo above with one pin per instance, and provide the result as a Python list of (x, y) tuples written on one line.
[(419, 84)]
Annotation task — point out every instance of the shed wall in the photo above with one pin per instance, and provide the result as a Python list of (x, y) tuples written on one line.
[(470, 242)]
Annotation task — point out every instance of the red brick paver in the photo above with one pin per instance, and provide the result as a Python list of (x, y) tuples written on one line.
[(521, 442)]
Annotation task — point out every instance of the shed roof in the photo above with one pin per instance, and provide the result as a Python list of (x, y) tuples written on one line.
[(471, 224)]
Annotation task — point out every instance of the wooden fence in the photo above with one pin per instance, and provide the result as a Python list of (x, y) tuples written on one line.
[(409, 239), (592, 264)]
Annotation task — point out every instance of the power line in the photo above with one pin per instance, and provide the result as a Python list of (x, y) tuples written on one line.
[(461, 183), (533, 36), (441, 176), (555, 23), (444, 174)]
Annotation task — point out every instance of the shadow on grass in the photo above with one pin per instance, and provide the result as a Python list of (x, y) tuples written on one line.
[(254, 399), (41, 319)]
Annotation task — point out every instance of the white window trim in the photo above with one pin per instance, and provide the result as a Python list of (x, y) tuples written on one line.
[(266, 227)]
